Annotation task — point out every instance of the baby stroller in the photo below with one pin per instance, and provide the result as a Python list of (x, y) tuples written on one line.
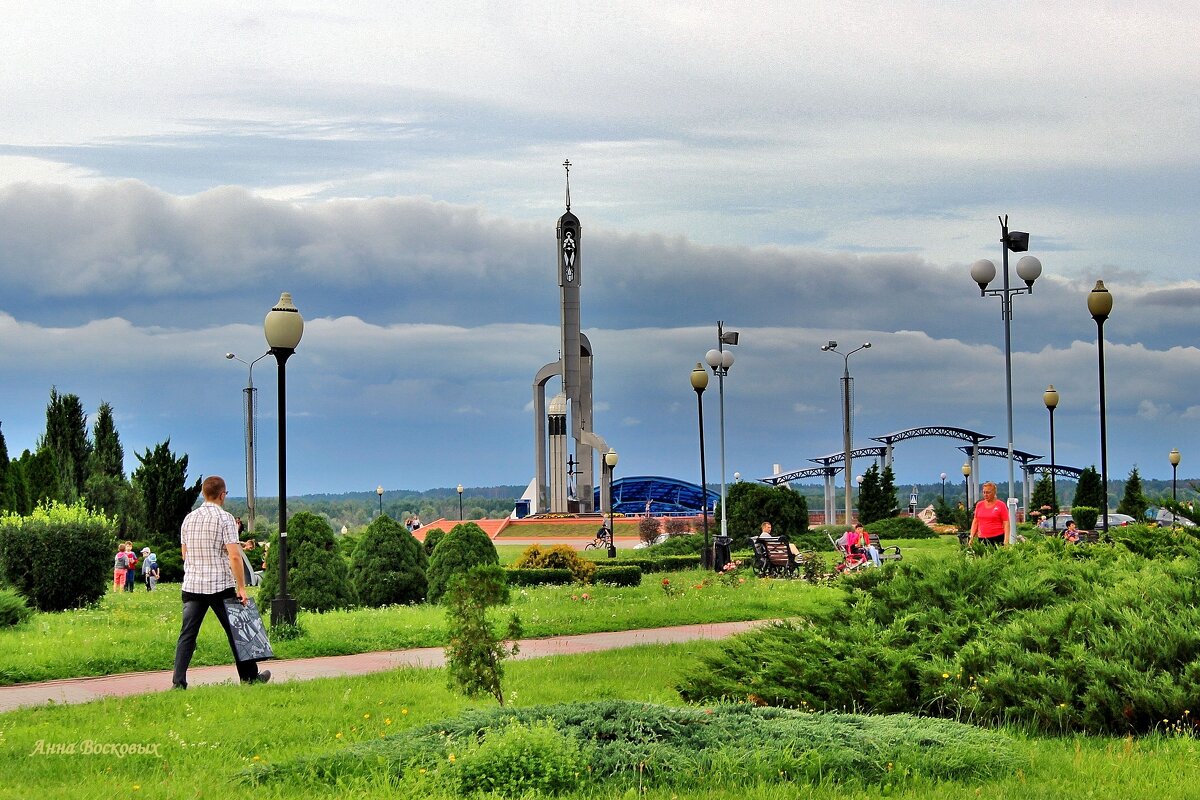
[(853, 557)]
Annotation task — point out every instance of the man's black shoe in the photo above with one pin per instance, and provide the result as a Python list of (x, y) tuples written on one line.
[(262, 677)]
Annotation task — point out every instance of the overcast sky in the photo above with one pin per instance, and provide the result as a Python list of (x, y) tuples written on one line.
[(803, 171)]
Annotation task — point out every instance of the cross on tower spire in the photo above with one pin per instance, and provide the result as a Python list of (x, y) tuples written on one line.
[(567, 165)]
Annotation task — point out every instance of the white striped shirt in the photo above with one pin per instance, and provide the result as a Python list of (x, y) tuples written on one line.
[(204, 533)]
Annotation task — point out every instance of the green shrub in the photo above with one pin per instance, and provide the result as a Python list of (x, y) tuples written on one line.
[(58, 557), (13, 610), (1085, 517), (389, 565), (464, 547), (533, 576), (432, 537), (347, 544), (661, 564), (170, 562), (1044, 634), (648, 529), (559, 556), (518, 759), (631, 746), (677, 526), (680, 545), (901, 528), (317, 575), (474, 651), (619, 576)]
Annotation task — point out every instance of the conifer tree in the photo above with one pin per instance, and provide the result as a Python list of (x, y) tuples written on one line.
[(6, 498), (166, 498), (1134, 502), (1044, 495), (66, 437), (1089, 492)]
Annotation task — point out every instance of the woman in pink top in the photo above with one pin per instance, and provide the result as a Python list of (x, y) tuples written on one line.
[(990, 524)]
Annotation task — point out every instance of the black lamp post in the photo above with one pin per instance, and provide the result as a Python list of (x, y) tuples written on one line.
[(943, 488), (460, 514), (700, 383), (379, 491), (966, 471), (1100, 304), (283, 328), (1174, 457), (610, 461), (1050, 397)]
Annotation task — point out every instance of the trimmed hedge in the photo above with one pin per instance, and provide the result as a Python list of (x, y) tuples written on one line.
[(389, 565), (901, 528), (464, 547), (59, 557), (317, 574), (619, 576), (662, 564)]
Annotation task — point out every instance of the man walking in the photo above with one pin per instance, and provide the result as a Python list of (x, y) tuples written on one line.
[(212, 573)]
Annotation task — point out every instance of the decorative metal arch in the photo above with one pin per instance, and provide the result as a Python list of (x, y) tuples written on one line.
[(974, 437), (1002, 452), (795, 475), (1059, 469), (838, 458)]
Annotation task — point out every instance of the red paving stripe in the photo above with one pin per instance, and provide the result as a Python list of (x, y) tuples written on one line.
[(84, 690)]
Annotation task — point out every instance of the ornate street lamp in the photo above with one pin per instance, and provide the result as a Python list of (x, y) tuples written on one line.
[(379, 491), (1174, 457), (460, 513), (251, 423), (847, 412), (1100, 303), (283, 328), (720, 360), (966, 471), (700, 383), (1028, 270), (1050, 398), (610, 461)]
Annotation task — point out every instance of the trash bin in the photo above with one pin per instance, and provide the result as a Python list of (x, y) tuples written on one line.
[(722, 552), (522, 509)]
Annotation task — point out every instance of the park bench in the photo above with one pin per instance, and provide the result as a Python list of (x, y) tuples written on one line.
[(773, 557)]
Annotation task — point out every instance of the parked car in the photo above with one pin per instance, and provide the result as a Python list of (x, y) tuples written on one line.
[(1115, 520), (1165, 519)]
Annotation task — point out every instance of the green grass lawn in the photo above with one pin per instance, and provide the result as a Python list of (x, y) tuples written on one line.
[(199, 741)]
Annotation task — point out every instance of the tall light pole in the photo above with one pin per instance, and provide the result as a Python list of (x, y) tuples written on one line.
[(251, 427), (610, 461), (1100, 304), (847, 411), (379, 492), (1174, 457), (1050, 398), (460, 513), (1028, 270), (943, 488), (720, 360), (283, 328), (700, 383), (966, 471)]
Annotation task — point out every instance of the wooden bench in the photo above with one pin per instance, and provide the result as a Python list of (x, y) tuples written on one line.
[(773, 557)]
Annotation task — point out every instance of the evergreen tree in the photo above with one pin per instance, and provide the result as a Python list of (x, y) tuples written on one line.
[(108, 456), (165, 496), (887, 488), (877, 495), (6, 498), (18, 487), (66, 436), (1044, 495), (389, 565), (1134, 502), (44, 479), (1089, 492)]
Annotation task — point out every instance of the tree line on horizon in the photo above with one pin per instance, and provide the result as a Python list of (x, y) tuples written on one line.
[(69, 463)]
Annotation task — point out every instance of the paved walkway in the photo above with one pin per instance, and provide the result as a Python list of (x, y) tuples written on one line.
[(84, 690)]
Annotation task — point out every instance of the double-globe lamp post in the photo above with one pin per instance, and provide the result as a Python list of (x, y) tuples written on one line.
[(1050, 398), (610, 461), (283, 328), (1028, 270), (720, 360), (847, 413), (1100, 303), (1174, 458), (700, 383)]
